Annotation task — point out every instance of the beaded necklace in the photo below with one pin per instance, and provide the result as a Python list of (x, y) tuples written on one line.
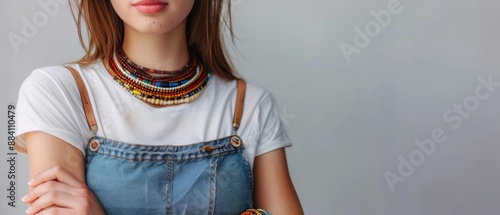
[(171, 88), (154, 84), (123, 56), (143, 72)]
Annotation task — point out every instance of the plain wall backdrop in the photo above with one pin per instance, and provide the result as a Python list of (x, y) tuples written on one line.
[(392, 105)]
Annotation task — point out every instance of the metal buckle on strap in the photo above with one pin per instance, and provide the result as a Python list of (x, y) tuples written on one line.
[(235, 141), (94, 145)]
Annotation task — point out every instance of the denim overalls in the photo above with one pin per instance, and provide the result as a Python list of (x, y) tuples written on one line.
[(212, 177)]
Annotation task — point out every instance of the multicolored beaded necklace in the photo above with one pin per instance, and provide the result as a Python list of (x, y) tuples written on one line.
[(168, 88)]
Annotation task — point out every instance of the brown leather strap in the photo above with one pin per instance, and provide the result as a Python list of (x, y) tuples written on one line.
[(87, 106), (240, 99)]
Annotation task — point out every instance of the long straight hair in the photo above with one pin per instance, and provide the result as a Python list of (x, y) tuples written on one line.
[(204, 32)]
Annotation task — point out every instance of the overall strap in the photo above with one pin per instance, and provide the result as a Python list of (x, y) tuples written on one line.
[(87, 106), (240, 99)]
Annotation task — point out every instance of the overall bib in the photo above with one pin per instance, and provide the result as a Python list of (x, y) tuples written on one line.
[(212, 177)]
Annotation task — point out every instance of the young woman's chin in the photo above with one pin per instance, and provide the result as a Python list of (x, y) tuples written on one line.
[(153, 26), (153, 16)]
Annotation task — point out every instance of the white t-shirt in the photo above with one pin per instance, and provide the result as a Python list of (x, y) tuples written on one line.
[(49, 101)]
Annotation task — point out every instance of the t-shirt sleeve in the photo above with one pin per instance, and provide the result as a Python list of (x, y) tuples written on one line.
[(49, 102), (272, 132)]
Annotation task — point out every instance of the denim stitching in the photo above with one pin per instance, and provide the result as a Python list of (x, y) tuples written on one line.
[(212, 154), (212, 185), (169, 183)]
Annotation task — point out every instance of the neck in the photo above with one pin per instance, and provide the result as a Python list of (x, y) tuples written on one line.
[(167, 51)]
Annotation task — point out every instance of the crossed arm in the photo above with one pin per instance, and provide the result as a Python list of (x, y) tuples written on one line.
[(57, 173), (58, 186)]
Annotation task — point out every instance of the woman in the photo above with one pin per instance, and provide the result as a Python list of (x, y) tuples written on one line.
[(163, 131)]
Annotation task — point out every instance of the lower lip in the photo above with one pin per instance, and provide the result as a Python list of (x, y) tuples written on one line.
[(150, 9)]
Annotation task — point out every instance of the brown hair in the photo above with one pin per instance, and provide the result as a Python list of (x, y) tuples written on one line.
[(204, 32)]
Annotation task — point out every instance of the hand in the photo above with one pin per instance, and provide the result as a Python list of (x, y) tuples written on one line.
[(55, 191)]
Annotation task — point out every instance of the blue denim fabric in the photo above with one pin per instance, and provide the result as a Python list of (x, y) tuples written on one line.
[(211, 177)]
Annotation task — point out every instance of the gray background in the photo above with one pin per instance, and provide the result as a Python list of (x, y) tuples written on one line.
[(351, 121)]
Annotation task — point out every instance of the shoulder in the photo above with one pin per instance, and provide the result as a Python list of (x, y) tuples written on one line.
[(54, 78), (49, 101), (48, 75), (262, 128), (259, 105), (52, 85), (48, 80), (255, 93)]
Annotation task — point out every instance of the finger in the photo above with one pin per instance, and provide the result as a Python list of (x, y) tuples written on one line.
[(52, 198), (46, 187), (55, 210), (55, 173)]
